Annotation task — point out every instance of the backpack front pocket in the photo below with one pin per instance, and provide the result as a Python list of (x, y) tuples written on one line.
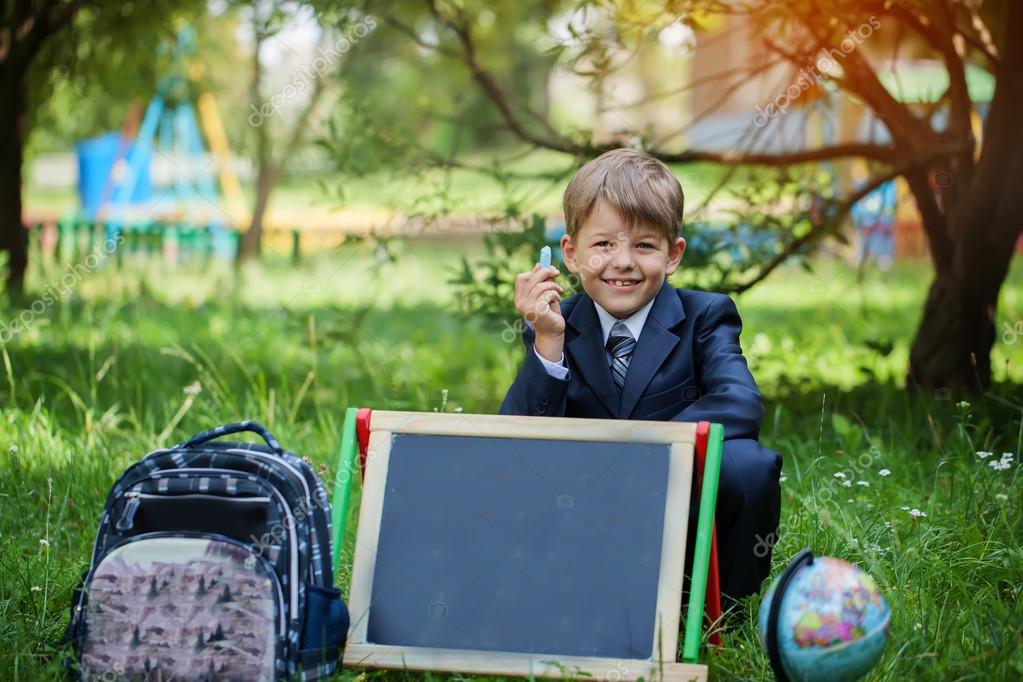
[(172, 606), (242, 518)]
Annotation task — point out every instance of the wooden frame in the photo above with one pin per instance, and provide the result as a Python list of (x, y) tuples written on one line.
[(682, 439)]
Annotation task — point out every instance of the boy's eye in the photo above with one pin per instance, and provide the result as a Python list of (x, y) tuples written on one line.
[(603, 244), (646, 245)]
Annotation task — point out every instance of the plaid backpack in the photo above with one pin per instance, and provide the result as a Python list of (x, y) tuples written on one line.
[(212, 560)]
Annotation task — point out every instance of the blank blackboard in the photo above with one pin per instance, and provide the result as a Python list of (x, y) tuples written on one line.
[(542, 546), (516, 545)]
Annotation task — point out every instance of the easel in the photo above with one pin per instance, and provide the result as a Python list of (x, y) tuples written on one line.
[(704, 592)]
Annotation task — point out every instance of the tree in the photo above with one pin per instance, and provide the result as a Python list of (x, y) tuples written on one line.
[(971, 223), (267, 19), (25, 30), (94, 42)]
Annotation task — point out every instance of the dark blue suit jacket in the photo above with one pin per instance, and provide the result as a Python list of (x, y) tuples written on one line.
[(687, 366)]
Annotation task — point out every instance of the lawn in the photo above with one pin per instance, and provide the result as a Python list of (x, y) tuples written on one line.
[(97, 379)]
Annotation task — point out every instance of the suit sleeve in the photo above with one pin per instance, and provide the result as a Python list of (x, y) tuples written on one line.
[(535, 392), (729, 395)]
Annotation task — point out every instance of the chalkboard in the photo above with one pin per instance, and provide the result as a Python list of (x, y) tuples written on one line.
[(551, 547), (505, 544)]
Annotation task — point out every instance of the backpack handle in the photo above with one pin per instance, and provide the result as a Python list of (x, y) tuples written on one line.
[(236, 427)]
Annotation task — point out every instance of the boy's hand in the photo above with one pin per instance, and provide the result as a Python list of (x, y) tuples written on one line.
[(538, 299)]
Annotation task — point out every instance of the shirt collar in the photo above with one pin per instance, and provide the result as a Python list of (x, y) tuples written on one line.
[(634, 322)]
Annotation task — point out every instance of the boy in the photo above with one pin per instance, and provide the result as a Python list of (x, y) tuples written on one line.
[(633, 347)]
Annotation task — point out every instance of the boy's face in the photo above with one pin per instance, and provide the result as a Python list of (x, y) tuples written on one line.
[(622, 269)]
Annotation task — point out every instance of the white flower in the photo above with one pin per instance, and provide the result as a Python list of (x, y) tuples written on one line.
[(1001, 497), (847, 484), (863, 483), (884, 472), (193, 389), (962, 404), (840, 475), (1000, 464), (984, 454), (13, 449), (916, 513), (782, 479), (1007, 457), (887, 524), (36, 588), (905, 508), (44, 542)]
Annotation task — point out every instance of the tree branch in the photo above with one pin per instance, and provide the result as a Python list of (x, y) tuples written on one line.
[(489, 84), (933, 218), (302, 121), (409, 32), (815, 233), (746, 72)]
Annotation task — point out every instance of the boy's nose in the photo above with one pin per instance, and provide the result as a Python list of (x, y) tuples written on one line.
[(621, 258)]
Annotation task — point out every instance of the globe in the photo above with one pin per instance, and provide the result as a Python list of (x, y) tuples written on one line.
[(832, 622)]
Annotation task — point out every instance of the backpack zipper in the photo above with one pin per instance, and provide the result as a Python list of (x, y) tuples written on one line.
[(127, 518)]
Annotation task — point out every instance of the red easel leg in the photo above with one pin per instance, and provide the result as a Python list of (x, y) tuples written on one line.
[(362, 434)]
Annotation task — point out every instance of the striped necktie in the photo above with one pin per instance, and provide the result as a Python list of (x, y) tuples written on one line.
[(620, 345)]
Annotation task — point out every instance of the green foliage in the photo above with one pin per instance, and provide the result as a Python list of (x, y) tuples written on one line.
[(403, 99), (485, 289), (86, 81)]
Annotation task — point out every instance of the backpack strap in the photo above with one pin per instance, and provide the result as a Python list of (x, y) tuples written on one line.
[(236, 427)]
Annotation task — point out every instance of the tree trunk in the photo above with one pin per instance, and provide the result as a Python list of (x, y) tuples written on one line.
[(251, 243), (13, 236), (952, 348), (953, 344)]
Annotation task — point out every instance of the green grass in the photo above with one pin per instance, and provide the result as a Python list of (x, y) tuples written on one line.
[(97, 380)]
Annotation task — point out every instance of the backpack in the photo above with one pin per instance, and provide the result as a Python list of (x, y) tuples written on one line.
[(212, 560)]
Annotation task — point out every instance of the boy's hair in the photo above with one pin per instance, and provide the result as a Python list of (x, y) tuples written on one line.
[(639, 187)]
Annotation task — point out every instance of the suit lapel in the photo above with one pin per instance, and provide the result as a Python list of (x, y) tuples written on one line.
[(588, 353), (656, 342)]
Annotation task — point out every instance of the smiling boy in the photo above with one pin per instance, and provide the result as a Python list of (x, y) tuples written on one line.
[(631, 346)]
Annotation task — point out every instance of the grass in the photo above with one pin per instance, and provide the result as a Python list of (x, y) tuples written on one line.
[(97, 379)]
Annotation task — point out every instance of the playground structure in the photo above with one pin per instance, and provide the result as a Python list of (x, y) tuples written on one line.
[(165, 185), (115, 186)]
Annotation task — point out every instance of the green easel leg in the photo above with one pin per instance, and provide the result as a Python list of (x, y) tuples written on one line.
[(343, 483), (701, 553)]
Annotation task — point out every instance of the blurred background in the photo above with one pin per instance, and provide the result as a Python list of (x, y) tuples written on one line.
[(874, 135), (224, 209)]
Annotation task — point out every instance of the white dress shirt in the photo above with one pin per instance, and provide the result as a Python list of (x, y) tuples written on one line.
[(634, 322)]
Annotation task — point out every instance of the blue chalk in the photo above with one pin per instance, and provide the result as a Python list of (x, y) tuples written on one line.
[(545, 257)]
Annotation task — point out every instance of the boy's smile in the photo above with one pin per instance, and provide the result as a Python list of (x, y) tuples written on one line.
[(621, 268)]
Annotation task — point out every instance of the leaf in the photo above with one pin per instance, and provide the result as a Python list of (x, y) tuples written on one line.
[(843, 427)]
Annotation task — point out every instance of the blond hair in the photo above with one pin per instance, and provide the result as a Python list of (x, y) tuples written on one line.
[(639, 187)]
